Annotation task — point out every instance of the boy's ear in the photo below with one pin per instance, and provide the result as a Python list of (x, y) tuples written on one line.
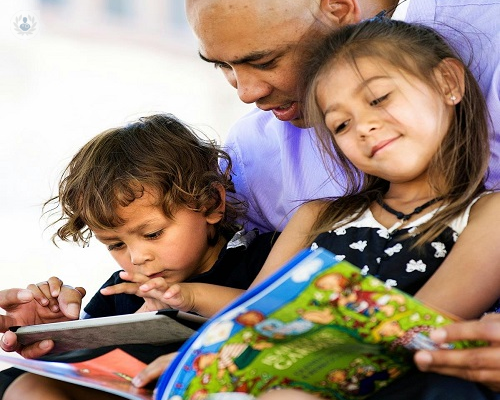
[(341, 12), (450, 74), (216, 215)]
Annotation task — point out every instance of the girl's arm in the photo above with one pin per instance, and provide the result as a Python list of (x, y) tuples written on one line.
[(468, 282)]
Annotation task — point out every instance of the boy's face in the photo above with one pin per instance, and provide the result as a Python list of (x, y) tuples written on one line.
[(151, 244)]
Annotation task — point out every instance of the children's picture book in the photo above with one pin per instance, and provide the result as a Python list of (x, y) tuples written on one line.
[(111, 372), (319, 325), (154, 327)]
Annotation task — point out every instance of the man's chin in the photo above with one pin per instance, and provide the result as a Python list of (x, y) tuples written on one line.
[(299, 123)]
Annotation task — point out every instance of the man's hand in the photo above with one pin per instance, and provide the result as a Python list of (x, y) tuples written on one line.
[(45, 302), (481, 364)]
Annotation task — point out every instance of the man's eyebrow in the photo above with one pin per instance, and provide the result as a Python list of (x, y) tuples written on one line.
[(254, 56)]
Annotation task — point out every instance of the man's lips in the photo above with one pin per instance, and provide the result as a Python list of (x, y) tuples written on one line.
[(379, 146), (287, 112)]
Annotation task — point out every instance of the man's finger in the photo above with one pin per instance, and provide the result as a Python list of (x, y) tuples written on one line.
[(10, 298), (38, 349), (487, 329)]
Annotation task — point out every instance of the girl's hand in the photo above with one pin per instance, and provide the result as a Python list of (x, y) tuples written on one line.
[(153, 370), (481, 364)]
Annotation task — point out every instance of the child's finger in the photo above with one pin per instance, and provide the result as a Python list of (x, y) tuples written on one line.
[(41, 293), (55, 285), (129, 288), (153, 370), (155, 283), (133, 277)]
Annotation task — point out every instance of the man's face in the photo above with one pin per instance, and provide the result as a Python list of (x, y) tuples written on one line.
[(259, 47)]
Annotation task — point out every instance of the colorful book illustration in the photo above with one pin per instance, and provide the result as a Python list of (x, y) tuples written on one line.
[(318, 325)]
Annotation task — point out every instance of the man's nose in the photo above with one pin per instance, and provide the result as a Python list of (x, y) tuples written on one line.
[(250, 86)]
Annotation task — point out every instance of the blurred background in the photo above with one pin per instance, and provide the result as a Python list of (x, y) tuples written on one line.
[(81, 67)]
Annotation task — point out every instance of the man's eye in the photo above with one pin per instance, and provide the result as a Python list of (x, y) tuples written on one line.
[(379, 100), (266, 65), (222, 65)]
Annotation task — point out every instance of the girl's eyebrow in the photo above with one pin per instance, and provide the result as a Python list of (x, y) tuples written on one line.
[(130, 231)]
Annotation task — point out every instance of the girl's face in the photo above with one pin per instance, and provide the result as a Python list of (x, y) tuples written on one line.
[(151, 244), (387, 123)]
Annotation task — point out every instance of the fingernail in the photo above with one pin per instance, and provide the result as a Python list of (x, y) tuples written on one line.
[(55, 308), (137, 381), (423, 359), (24, 295), (45, 344), (4, 341), (73, 310), (438, 335)]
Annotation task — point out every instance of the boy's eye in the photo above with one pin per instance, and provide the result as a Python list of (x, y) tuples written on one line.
[(154, 235), (115, 246), (379, 100)]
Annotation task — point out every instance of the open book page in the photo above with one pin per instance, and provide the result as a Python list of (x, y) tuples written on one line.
[(111, 372), (155, 327), (318, 324)]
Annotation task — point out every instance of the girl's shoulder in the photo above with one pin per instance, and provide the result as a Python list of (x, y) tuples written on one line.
[(487, 203)]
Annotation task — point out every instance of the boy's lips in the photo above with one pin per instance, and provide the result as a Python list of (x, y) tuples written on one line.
[(287, 112)]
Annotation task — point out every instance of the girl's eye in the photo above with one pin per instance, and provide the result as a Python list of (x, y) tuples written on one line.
[(379, 100), (115, 246), (341, 127), (154, 235)]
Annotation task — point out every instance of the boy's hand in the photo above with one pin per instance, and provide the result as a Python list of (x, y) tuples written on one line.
[(481, 364), (156, 292), (153, 370), (46, 302)]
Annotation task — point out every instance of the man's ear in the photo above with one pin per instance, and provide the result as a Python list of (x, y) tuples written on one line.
[(216, 215), (341, 12), (450, 75)]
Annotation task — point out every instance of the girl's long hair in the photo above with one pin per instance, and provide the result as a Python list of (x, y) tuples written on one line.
[(457, 171)]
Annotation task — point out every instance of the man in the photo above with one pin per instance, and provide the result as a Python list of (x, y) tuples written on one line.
[(259, 46)]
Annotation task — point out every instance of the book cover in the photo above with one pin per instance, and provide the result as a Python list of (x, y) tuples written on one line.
[(155, 327), (318, 324), (111, 372)]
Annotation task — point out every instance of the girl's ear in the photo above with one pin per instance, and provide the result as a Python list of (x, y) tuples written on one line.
[(216, 215), (450, 74), (341, 12)]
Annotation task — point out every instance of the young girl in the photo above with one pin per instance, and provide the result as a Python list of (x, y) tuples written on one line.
[(408, 123), (153, 193)]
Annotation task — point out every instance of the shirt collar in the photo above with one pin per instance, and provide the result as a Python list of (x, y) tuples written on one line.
[(401, 10)]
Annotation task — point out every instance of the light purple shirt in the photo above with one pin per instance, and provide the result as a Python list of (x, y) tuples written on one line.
[(278, 166)]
